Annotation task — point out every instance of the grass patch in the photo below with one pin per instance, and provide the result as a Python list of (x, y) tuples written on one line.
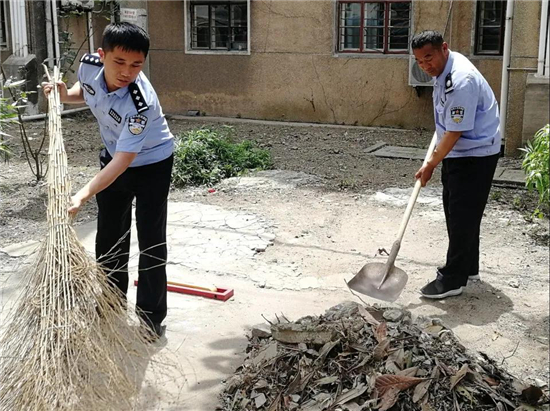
[(206, 156)]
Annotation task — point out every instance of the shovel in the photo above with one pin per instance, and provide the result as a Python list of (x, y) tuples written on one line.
[(386, 281)]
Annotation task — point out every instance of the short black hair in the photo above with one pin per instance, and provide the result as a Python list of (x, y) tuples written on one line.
[(427, 37), (127, 36)]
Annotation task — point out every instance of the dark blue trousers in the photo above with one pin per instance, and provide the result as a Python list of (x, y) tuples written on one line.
[(466, 186), (149, 186)]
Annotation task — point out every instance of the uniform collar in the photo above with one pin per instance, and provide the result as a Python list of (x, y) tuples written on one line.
[(448, 67)]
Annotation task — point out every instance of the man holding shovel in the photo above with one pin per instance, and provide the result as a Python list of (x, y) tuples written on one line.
[(468, 146)]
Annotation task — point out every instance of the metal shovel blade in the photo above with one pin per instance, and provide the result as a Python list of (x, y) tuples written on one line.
[(368, 279)]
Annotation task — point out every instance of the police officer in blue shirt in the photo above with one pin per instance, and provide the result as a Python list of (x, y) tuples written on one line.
[(135, 164), (469, 143)]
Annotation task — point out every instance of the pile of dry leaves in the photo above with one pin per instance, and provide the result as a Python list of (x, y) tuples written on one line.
[(359, 357)]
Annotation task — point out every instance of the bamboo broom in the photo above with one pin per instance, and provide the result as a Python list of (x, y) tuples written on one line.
[(70, 344)]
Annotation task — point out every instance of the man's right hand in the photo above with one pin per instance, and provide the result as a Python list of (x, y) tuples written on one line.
[(61, 87)]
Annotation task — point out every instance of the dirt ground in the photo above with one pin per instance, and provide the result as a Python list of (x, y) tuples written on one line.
[(342, 205), (335, 155)]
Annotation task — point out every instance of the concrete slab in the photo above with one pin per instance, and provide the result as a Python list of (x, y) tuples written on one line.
[(509, 177)]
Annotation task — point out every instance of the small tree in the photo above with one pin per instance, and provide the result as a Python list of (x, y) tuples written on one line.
[(536, 165), (33, 152)]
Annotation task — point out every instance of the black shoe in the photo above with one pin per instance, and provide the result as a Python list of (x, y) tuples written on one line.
[(153, 331), (475, 277), (437, 290)]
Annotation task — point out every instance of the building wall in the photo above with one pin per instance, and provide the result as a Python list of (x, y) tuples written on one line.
[(293, 73), (525, 40)]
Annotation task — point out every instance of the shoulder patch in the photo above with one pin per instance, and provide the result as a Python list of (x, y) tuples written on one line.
[(91, 59), (137, 97), (88, 88), (136, 124), (457, 114)]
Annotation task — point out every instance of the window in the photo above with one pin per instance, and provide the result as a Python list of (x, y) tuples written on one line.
[(3, 25), (367, 26), (219, 26), (490, 19)]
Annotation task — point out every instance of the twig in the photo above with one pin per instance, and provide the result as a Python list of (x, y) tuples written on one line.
[(511, 355)]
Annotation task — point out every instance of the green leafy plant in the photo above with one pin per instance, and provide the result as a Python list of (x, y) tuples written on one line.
[(8, 114), (536, 164), (206, 156)]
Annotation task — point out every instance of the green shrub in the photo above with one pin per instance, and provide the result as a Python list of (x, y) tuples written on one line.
[(535, 164), (206, 156)]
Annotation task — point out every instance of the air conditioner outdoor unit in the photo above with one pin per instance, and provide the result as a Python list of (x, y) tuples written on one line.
[(418, 77), (85, 5)]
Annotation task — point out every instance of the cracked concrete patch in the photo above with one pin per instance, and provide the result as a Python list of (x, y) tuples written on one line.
[(399, 197)]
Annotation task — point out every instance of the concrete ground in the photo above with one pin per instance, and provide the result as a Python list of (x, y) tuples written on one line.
[(286, 246)]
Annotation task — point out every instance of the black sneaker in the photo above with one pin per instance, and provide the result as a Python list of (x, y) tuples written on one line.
[(436, 290)]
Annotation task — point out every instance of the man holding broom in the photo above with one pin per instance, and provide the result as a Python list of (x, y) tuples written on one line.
[(467, 124), (136, 163)]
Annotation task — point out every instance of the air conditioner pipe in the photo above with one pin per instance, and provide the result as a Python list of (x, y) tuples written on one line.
[(505, 67)]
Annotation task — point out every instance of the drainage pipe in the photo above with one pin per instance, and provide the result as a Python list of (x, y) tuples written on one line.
[(505, 67), (44, 115)]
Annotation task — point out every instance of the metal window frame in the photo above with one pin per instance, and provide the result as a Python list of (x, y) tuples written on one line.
[(387, 8), (479, 26), (211, 49)]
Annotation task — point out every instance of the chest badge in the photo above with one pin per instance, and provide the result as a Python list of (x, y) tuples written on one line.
[(88, 88), (136, 124), (115, 116), (457, 114)]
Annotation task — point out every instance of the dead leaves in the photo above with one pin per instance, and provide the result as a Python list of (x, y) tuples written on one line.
[(400, 382), (389, 386), (368, 363)]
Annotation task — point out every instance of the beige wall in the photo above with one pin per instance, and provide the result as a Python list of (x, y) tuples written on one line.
[(293, 73)]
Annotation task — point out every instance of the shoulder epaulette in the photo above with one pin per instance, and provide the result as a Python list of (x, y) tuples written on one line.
[(137, 97), (449, 83), (91, 59)]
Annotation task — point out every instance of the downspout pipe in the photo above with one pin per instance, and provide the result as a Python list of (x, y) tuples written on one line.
[(544, 42), (506, 67)]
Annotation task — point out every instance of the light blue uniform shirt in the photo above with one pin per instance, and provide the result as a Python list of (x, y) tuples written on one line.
[(463, 101), (130, 118)]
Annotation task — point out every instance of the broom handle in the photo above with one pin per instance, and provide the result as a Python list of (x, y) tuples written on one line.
[(406, 217)]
